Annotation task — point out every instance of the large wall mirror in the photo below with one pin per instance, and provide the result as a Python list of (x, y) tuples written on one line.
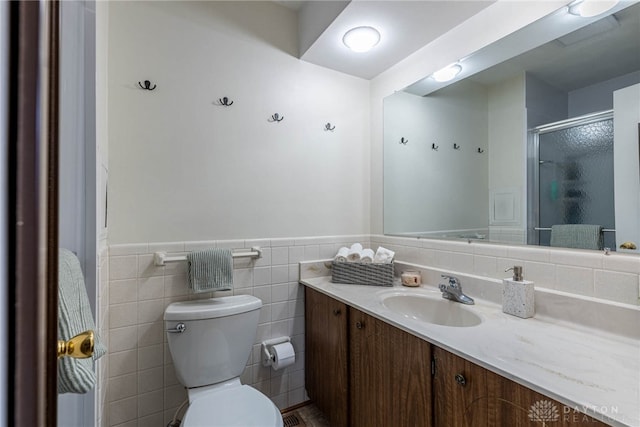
[(538, 133)]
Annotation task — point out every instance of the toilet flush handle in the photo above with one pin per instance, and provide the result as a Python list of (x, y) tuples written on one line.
[(180, 328)]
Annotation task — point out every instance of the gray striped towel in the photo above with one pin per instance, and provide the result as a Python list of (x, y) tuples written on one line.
[(210, 270), (74, 317), (577, 236)]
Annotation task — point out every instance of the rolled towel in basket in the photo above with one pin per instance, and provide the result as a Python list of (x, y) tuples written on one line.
[(383, 255), (355, 252), (366, 255), (341, 256)]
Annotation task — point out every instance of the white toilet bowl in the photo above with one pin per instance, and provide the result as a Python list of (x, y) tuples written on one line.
[(210, 342)]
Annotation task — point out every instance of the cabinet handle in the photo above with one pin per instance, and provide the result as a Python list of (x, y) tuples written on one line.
[(360, 325), (336, 312), (461, 380)]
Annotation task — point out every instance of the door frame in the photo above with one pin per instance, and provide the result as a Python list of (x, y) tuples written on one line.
[(32, 194)]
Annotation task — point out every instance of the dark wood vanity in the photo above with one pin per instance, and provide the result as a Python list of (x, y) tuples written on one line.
[(363, 372)]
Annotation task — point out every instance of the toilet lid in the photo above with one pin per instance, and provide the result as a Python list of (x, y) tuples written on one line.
[(241, 406)]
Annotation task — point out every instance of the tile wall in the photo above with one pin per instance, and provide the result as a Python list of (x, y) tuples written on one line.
[(142, 389), (614, 277)]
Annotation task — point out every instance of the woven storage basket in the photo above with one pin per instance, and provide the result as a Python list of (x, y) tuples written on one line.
[(362, 273)]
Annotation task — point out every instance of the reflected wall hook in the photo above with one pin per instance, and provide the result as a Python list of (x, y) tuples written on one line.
[(434, 147), (456, 146), (225, 101), (276, 118), (480, 150), (147, 85), (403, 141), (328, 127)]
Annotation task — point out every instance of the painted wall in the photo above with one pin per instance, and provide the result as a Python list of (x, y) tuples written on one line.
[(184, 168), (428, 190), (598, 97)]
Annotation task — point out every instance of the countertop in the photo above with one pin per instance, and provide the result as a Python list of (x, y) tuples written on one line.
[(590, 371)]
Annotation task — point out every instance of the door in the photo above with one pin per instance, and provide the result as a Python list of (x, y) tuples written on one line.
[(575, 175)]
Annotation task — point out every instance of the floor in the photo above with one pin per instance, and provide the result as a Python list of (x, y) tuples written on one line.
[(305, 416)]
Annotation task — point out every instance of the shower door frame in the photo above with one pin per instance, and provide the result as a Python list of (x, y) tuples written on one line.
[(533, 165)]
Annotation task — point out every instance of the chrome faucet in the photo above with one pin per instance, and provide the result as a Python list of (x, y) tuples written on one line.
[(453, 290)]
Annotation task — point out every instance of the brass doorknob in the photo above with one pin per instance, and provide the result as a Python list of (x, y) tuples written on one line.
[(79, 347)]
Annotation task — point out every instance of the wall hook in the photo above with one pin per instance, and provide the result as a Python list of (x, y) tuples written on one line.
[(276, 118), (328, 127), (225, 101), (480, 150), (147, 85), (434, 147), (456, 146), (403, 141)]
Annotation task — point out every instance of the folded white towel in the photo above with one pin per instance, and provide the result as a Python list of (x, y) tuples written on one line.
[(355, 252), (366, 255), (383, 255), (341, 256)]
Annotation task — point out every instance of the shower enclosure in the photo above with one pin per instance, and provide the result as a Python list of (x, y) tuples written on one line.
[(571, 176)]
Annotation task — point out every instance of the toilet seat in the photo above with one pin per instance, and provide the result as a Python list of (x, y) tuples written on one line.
[(241, 406)]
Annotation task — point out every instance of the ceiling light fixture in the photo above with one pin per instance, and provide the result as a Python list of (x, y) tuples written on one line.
[(447, 73), (591, 8), (361, 39)]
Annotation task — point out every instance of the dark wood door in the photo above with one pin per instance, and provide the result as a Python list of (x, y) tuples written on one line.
[(390, 378), (326, 357), (471, 396)]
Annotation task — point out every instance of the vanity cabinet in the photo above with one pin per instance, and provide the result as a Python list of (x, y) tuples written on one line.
[(390, 375), (363, 372), (326, 350), (467, 395)]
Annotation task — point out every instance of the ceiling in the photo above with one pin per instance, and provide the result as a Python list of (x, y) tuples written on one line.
[(558, 49), (404, 25), (567, 62)]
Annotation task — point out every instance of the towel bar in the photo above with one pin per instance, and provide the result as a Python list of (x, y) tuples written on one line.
[(604, 230), (161, 258)]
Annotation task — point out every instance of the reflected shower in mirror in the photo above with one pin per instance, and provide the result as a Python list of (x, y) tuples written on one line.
[(539, 140)]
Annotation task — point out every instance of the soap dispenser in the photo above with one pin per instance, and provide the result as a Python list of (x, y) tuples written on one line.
[(518, 295)]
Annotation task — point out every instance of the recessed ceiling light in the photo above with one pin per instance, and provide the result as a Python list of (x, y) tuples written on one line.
[(590, 8), (361, 39), (447, 73)]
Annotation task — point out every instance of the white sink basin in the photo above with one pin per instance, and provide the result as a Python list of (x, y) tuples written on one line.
[(435, 310)]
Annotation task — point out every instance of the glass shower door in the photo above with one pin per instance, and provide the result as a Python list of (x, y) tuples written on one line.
[(575, 171)]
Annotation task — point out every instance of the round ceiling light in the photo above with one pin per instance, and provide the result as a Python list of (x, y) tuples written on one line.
[(591, 8), (447, 73), (361, 39)]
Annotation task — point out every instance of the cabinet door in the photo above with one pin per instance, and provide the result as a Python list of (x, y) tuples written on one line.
[(390, 377), (326, 363), (471, 396)]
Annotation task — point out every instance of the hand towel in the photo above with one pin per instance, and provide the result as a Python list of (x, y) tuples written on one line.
[(74, 317), (210, 270), (342, 254), (383, 255), (366, 255), (355, 252), (577, 236)]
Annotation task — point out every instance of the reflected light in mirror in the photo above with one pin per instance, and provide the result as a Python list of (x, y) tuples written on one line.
[(448, 73), (361, 39), (591, 8)]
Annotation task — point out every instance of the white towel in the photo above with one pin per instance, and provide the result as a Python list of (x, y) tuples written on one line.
[(74, 317), (366, 255), (383, 255), (342, 254), (355, 252)]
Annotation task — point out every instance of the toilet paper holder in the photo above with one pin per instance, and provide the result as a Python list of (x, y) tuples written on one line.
[(267, 357)]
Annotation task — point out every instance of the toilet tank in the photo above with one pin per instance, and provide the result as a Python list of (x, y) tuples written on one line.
[(217, 340)]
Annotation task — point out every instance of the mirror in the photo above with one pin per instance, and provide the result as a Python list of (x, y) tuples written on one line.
[(482, 158)]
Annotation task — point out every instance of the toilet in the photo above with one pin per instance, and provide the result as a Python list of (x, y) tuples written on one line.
[(210, 341)]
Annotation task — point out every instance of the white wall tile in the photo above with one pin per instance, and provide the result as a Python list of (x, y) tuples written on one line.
[(123, 267), (574, 279), (280, 255), (616, 286)]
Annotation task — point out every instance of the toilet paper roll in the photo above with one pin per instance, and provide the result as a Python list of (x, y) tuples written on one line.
[(283, 355)]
